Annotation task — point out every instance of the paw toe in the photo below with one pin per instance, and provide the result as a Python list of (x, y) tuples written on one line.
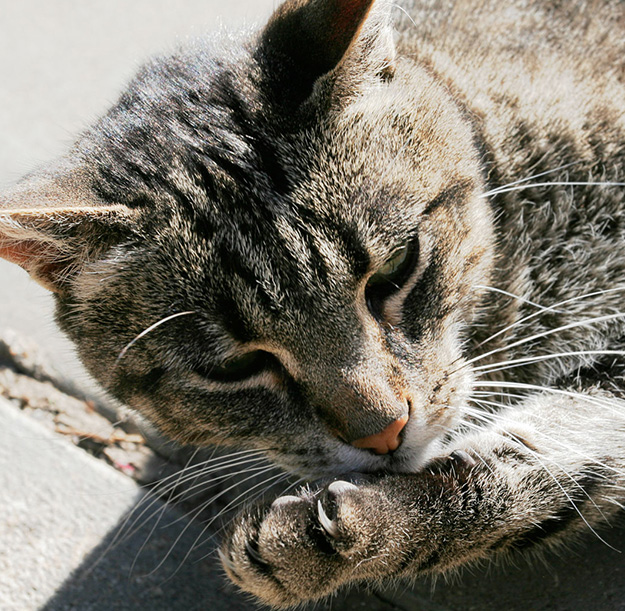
[(463, 458)]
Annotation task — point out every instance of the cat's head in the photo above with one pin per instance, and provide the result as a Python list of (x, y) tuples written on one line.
[(272, 242)]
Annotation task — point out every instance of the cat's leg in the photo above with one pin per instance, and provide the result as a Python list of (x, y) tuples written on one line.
[(530, 476)]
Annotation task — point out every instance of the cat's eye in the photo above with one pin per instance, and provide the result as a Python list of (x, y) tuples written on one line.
[(239, 368), (394, 273), (389, 278), (392, 266)]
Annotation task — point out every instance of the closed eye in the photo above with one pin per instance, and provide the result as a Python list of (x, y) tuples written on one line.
[(392, 276), (240, 368)]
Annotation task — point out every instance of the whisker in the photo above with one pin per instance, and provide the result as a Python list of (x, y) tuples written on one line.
[(201, 470), (238, 501), (570, 499), (523, 180), (524, 386), (513, 437), (496, 419), (545, 309), (185, 494), (503, 365), (296, 483), (125, 530), (553, 184), (194, 546), (122, 533), (143, 333), (216, 463), (160, 512), (254, 498), (205, 486), (517, 297), (484, 462), (475, 394), (615, 502), (406, 13), (197, 512), (580, 323)]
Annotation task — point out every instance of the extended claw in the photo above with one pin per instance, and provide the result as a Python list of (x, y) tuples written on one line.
[(287, 499), (328, 525)]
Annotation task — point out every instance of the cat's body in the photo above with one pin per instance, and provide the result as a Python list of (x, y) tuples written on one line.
[(294, 242)]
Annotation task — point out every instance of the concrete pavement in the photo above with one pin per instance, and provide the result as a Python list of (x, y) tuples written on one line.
[(61, 509)]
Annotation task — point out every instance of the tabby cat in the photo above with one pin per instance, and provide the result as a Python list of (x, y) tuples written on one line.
[(382, 245)]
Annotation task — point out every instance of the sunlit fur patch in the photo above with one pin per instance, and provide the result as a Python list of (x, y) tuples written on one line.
[(268, 232)]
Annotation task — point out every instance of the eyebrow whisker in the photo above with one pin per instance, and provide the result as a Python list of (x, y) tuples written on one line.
[(143, 333)]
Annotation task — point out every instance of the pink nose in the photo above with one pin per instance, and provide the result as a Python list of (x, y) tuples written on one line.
[(385, 441)]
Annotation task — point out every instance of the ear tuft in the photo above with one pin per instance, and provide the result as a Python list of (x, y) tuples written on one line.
[(52, 239)]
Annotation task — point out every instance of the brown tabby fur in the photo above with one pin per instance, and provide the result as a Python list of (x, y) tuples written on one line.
[(241, 197)]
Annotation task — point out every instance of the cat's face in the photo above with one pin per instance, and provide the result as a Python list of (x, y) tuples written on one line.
[(289, 268)]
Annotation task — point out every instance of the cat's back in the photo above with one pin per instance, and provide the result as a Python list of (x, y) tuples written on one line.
[(587, 31), (538, 77), (522, 49)]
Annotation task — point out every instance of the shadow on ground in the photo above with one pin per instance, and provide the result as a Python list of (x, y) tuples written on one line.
[(149, 570), (120, 578)]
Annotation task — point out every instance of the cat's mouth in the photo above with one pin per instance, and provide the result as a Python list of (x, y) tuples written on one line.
[(341, 462), (407, 445)]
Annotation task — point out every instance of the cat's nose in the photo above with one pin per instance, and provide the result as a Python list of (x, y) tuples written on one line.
[(386, 441)]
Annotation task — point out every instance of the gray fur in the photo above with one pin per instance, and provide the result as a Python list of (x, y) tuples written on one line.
[(240, 198)]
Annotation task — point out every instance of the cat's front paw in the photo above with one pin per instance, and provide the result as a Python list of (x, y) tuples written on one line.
[(305, 547)]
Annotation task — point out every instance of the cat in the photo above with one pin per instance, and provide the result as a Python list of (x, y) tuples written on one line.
[(381, 245)]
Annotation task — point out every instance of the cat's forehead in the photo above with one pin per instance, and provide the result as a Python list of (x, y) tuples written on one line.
[(195, 131), (275, 260), (247, 214)]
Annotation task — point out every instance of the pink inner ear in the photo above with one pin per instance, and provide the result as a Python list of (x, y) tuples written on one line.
[(35, 259), (20, 252)]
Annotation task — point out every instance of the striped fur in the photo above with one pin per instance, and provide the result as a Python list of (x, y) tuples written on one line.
[(252, 189)]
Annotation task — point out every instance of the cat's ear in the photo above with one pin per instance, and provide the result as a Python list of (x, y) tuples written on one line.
[(306, 39), (51, 227)]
